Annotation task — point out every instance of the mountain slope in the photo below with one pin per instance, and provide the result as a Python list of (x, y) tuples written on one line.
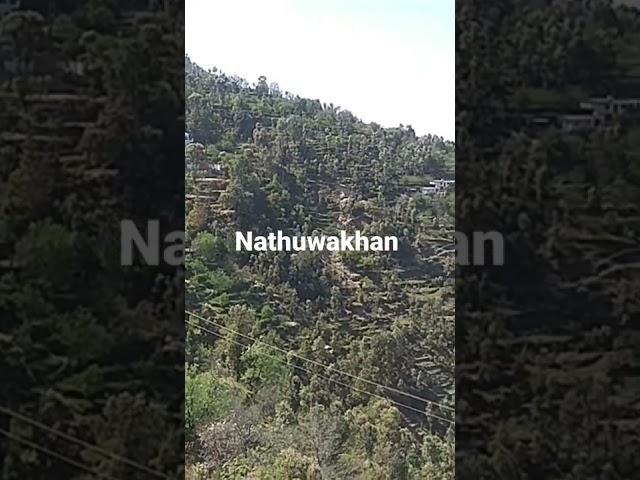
[(333, 365)]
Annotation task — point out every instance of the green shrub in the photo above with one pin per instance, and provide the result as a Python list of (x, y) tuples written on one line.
[(209, 247), (208, 398)]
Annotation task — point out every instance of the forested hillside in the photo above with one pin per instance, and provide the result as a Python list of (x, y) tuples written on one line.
[(548, 363), (314, 365), (90, 350)]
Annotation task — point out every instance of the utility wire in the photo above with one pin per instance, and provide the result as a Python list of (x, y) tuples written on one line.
[(57, 455), (217, 334), (327, 367), (87, 445)]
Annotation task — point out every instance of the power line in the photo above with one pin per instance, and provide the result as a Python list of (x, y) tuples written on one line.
[(87, 445), (327, 367), (57, 455), (324, 377)]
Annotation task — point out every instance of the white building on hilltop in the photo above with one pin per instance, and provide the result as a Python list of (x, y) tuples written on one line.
[(611, 106), (437, 187)]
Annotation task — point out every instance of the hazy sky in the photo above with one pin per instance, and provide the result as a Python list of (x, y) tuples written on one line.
[(388, 61)]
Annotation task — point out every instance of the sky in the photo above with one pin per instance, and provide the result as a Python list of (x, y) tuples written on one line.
[(386, 61)]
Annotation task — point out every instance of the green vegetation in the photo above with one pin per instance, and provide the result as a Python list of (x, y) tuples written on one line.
[(547, 346), (89, 349), (314, 365)]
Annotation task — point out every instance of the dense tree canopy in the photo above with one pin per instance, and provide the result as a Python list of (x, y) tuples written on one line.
[(89, 348), (314, 365), (547, 355)]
